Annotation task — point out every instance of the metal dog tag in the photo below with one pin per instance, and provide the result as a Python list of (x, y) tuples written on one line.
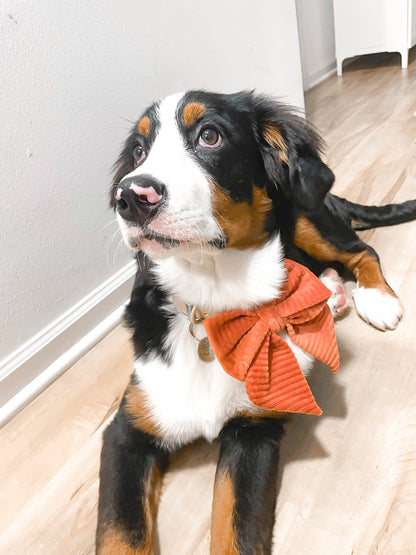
[(205, 351)]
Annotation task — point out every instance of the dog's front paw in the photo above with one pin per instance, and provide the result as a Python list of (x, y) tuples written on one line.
[(337, 302), (379, 309)]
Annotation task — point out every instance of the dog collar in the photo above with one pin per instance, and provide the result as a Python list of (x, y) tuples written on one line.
[(196, 316)]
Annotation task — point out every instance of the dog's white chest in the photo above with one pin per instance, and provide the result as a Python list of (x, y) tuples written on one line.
[(189, 398)]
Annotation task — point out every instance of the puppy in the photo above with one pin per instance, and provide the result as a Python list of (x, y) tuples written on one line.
[(212, 191)]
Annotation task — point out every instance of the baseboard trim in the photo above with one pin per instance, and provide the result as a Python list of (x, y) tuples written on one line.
[(321, 75), (32, 367)]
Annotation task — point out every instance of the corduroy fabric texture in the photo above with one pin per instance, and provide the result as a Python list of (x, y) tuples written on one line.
[(247, 344)]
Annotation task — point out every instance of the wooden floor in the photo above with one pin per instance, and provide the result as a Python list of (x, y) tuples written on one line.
[(348, 478)]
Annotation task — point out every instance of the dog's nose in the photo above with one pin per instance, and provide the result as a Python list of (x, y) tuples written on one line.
[(139, 199)]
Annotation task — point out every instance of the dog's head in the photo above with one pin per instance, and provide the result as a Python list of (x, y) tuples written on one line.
[(206, 171)]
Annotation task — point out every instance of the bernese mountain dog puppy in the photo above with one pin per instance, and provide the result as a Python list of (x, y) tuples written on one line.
[(212, 191)]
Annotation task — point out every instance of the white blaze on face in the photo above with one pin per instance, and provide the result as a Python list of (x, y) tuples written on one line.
[(187, 215)]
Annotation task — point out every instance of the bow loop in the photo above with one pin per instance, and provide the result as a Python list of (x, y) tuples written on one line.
[(270, 315), (249, 348), (303, 296), (241, 336)]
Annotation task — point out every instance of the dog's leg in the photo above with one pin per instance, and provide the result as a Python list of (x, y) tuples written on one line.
[(132, 467), (246, 487), (374, 299)]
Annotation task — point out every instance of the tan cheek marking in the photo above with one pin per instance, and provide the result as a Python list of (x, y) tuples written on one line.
[(242, 223), (365, 267), (192, 112), (144, 126), (137, 408), (273, 137), (223, 541)]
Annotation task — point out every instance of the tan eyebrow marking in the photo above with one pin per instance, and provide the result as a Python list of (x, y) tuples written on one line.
[(192, 112), (144, 125)]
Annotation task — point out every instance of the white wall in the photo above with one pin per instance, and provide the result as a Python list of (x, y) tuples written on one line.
[(317, 40), (73, 73)]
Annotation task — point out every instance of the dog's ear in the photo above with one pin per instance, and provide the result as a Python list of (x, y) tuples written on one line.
[(290, 147), (310, 179)]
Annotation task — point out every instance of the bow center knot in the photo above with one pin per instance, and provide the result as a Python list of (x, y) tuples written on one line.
[(269, 314)]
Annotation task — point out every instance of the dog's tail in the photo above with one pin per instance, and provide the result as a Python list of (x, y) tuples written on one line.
[(367, 217)]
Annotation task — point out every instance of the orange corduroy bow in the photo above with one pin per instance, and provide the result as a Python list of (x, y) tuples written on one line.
[(247, 344)]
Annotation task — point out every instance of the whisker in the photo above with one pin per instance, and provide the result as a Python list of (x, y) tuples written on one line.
[(116, 249), (111, 222)]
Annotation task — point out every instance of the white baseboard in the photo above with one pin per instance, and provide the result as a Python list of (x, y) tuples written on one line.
[(37, 363), (321, 75)]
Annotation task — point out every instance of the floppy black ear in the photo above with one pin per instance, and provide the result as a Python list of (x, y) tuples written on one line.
[(310, 179), (290, 147)]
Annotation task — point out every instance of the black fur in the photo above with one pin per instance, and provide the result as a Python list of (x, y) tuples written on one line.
[(144, 313), (368, 217), (249, 455), (125, 162), (127, 458), (307, 179)]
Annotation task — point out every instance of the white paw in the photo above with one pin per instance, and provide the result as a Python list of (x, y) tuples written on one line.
[(380, 309), (337, 302)]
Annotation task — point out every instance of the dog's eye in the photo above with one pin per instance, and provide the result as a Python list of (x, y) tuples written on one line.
[(209, 138), (139, 154)]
